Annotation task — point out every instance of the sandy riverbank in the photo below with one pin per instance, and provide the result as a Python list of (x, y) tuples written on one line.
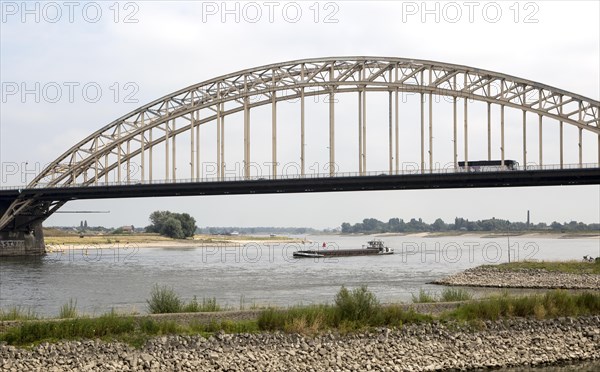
[(56, 243), (53, 245)]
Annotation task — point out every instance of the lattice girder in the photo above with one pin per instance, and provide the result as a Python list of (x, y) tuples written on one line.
[(285, 81)]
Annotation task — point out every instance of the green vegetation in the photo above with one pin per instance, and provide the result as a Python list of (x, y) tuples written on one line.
[(574, 267), (248, 306), (111, 326), (352, 310), (17, 313), (423, 297), (164, 300), (355, 305), (38, 331), (455, 294), (551, 304), (173, 225), (316, 318), (313, 319), (372, 225), (447, 295), (207, 305), (68, 310)]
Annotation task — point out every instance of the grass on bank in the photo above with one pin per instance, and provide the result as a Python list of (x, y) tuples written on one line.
[(555, 303), (352, 310), (68, 310), (573, 267), (164, 300), (17, 313), (423, 297), (357, 314), (447, 295), (111, 326)]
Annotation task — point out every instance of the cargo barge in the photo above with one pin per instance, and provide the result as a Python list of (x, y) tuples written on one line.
[(373, 248)]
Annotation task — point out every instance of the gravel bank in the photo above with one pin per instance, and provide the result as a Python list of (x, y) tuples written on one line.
[(486, 276), (422, 347)]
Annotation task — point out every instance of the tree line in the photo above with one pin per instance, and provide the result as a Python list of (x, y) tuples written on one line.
[(372, 225), (173, 225)]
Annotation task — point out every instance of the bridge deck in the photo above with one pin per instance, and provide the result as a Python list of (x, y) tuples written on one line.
[(554, 177)]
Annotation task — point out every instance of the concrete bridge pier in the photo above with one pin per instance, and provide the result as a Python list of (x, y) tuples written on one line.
[(24, 242), (24, 235)]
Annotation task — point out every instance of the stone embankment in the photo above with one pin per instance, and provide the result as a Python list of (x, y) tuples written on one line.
[(423, 347), (487, 276)]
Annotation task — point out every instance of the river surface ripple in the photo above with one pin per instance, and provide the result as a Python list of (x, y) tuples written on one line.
[(265, 274), (262, 274)]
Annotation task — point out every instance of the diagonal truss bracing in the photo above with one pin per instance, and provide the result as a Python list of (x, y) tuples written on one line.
[(287, 80), (137, 132)]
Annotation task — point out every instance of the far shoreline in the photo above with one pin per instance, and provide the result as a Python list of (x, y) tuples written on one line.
[(482, 234), (58, 243)]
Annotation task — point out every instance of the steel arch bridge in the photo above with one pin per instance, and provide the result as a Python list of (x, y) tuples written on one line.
[(134, 137)]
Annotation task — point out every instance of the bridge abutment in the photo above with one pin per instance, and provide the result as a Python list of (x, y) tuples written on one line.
[(22, 242)]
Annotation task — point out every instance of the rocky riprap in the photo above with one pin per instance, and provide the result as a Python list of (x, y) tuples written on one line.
[(422, 347), (487, 276)]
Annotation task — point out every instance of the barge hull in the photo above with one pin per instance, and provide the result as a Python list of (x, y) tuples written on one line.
[(340, 253)]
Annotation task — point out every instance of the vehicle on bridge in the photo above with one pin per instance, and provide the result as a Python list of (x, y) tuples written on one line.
[(487, 165), (373, 248)]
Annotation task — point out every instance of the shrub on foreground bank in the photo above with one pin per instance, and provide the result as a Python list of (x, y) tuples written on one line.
[(165, 300), (311, 319), (351, 310)]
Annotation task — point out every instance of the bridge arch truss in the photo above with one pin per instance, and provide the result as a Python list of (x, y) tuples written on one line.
[(133, 136)]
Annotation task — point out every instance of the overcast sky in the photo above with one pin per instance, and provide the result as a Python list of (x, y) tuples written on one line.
[(135, 52)]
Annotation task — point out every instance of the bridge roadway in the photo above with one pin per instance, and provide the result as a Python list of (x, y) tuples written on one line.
[(545, 177)]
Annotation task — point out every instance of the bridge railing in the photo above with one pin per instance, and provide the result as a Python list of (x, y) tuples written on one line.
[(269, 177)]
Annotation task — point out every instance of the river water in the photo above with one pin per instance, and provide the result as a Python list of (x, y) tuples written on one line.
[(122, 277)]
